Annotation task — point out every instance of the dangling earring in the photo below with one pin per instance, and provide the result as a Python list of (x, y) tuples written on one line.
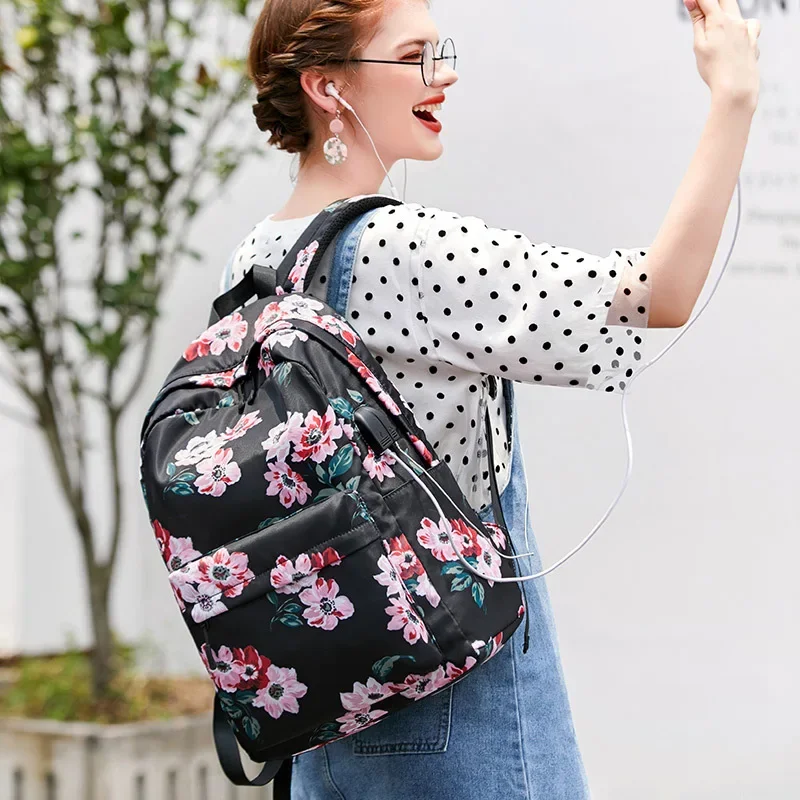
[(334, 148)]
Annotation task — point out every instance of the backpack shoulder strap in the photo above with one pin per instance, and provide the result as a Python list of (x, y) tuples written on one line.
[(263, 281)]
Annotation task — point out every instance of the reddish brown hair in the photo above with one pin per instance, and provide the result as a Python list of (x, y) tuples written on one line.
[(295, 35)]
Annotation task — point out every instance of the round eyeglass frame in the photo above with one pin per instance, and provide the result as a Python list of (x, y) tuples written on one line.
[(427, 52)]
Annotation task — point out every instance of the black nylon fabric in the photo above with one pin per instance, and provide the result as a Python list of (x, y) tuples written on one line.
[(311, 571)]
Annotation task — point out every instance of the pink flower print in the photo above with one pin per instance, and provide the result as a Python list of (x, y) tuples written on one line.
[(287, 576), (217, 473), (177, 592), (389, 403), (162, 537), (281, 692), (418, 686), (227, 571), (205, 598), (329, 557), (325, 606), (253, 667), (404, 558), (279, 442), (497, 535), (405, 618), (379, 468), (365, 695), (316, 438), (222, 380), (521, 611), (338, 327), (199, 347), (466, 538), (180, 552), (489, 562), (421, 449), (358, 720), (298, 273), (287, 484), (228, 333), (433, 536), (454, 672), (389, 578), (270, 315), (228, 671), (199, 448), (243, 424)]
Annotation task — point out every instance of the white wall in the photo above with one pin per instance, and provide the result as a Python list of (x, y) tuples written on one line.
[(676, 621)]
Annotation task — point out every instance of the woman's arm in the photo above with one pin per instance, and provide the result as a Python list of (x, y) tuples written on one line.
[(680, 257)]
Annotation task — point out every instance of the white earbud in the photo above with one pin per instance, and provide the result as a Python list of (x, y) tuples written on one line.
[(330, 89)]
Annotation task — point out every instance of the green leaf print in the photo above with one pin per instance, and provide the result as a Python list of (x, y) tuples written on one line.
[(251, 727), (341, 462), (383, 667), (478, 593), (191, 418), (342, 407)]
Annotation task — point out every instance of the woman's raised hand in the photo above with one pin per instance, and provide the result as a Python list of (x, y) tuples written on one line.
[(726, 48)]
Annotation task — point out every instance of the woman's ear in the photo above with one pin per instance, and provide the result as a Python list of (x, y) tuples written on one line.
[(314, 86)]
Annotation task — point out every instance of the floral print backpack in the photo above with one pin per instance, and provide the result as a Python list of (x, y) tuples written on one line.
[(326, 563)]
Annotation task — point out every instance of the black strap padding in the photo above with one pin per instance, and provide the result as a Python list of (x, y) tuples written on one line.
[(231, 761)]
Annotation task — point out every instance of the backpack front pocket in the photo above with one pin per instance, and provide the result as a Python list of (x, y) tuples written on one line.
[(308, 626)]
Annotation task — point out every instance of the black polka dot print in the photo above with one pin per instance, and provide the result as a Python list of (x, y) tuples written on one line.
[(464, 300)]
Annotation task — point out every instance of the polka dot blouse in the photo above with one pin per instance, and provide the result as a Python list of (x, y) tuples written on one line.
[(444, 300)]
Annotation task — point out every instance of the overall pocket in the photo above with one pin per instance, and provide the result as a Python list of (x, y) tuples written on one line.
[(302, 627)]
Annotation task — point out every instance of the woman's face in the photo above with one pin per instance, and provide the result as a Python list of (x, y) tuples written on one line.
[(384, 95)]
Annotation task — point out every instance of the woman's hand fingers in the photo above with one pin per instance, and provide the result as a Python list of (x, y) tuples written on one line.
[(731, 7)]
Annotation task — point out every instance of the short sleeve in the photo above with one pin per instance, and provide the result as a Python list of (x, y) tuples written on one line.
[(494, 302)]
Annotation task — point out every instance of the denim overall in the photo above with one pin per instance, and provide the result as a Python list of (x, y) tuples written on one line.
[(505, 731)]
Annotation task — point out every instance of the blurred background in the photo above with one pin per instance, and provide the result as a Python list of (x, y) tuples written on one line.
[(129, 158)]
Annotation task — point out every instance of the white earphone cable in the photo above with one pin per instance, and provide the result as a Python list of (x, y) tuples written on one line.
[(331, 89)]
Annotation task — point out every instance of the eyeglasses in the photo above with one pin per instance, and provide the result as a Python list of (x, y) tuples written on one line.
[(427, 62)]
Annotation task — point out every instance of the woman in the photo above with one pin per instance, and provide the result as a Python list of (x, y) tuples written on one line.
[(447, 303)]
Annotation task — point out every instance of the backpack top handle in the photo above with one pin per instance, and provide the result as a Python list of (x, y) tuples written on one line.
[(263, 281)]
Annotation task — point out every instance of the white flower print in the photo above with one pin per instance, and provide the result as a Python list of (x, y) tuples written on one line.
[(287, 484), (426, 589), (489, 561), (404, 618), (287, 577), (279, 442), (205, 598), (281, 692), (389, 578), (379, 468), (365, 695), (358, 720), (217, 473), (326, 607), (198, 448), (286, 338)]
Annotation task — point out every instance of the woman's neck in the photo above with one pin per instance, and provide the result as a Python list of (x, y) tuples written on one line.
[(320, 184)]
